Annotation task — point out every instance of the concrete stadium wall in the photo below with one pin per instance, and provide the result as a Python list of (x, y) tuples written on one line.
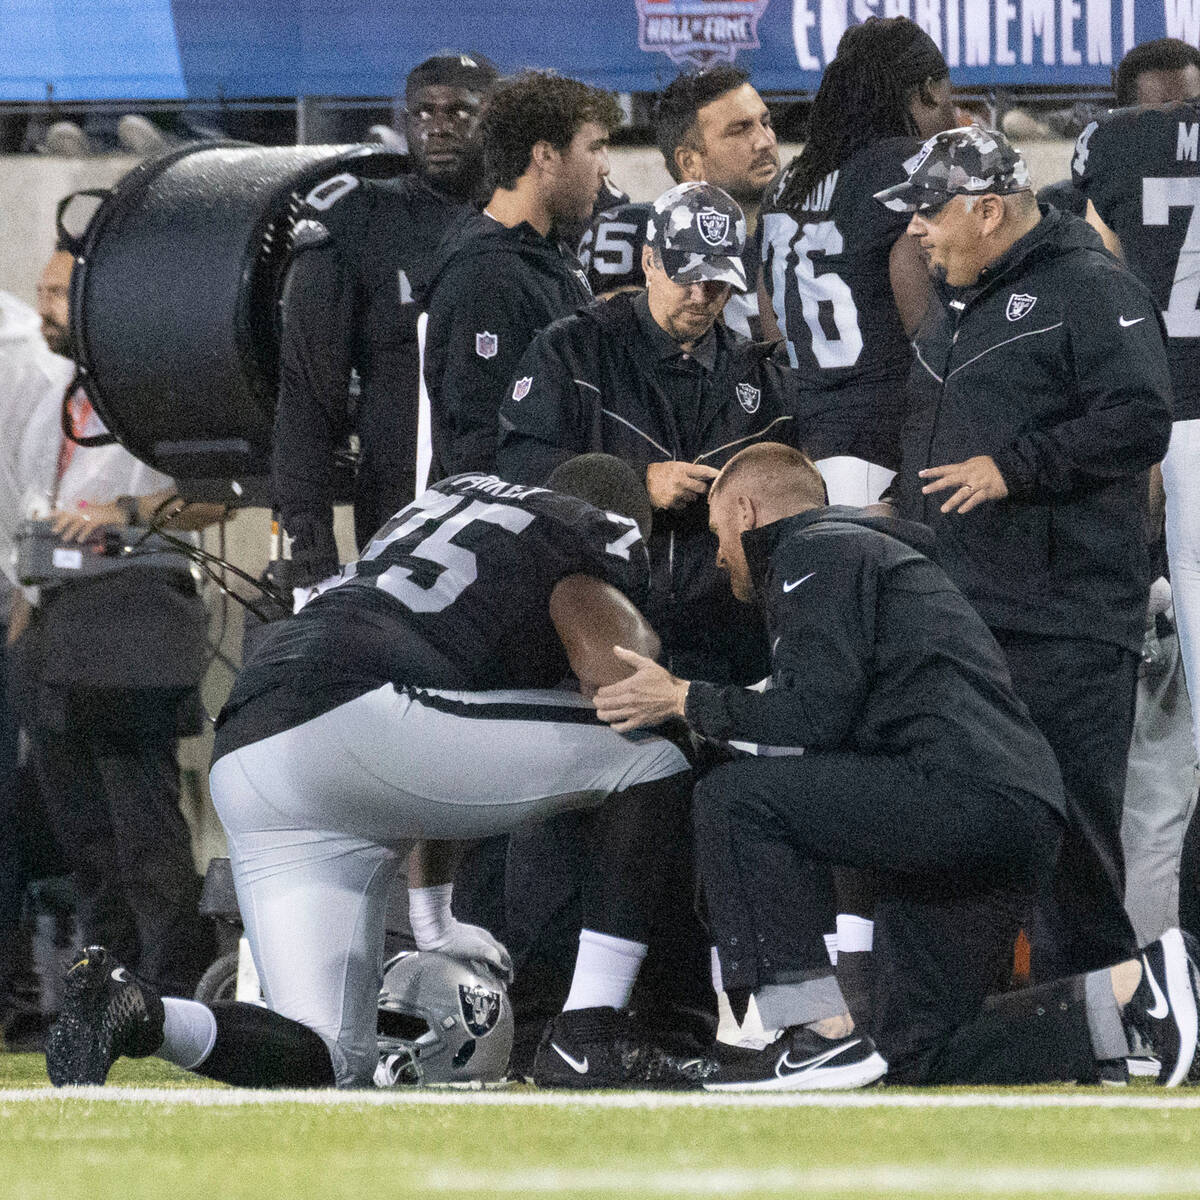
[(31, 185)]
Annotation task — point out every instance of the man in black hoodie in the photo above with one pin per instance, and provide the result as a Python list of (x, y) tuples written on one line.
[(889, 738), (504, 275), (1039, 398)]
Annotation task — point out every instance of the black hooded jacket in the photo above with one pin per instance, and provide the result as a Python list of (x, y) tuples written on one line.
[(1054, 365), (494, 289), (874, 651)]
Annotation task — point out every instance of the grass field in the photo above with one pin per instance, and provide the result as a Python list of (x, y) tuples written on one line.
[(153, 1134)]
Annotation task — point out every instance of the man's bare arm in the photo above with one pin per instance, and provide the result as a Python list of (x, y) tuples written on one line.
[(910, 282), (591, 618)]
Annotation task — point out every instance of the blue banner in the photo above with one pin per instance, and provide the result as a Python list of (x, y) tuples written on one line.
[(207, 49)]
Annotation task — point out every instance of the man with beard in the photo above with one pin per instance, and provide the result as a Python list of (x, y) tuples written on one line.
[(364, 255), (713, 127), (505, 274), (104, 670)]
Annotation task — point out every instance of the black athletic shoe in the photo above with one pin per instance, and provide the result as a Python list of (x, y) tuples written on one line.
[(599, 1048), (1163, 1010), (800, 1060), (105, 1013)]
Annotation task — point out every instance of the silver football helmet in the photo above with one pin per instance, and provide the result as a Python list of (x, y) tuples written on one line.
[(441, 1021)]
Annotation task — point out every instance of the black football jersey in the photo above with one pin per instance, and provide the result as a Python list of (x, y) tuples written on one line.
[(365, 254), (454, 590), (1140, 168), (826, 268), (611, 249)]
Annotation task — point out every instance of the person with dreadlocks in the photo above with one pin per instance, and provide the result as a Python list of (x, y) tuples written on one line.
[(842, 283)]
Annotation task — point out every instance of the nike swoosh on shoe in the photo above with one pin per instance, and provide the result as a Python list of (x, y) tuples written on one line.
[(579, 1066)]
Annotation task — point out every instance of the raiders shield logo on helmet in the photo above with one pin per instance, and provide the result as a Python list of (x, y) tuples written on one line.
[(480, 1008), (713, 226), (749, 397), (486, 344), (521, 387), (1019, 306)]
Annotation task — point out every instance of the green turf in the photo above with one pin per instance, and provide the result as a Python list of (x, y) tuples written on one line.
[(67, 1147)]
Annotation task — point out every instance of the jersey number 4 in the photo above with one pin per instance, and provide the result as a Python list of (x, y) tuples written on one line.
[(1159, 196), (826, 302)]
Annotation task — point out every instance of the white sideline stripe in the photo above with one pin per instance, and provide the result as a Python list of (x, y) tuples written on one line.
[(236, 1097), (880, 1179)]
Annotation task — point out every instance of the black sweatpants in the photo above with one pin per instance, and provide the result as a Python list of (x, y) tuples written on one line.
[(1081, 694), (956, 867), (110, 781)]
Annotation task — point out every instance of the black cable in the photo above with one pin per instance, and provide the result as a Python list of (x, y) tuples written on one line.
[(269, 590)]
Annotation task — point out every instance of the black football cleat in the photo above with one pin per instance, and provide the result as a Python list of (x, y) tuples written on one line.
[(800, 1060), (1163, 1010), (105, 1014), (599, 1048)]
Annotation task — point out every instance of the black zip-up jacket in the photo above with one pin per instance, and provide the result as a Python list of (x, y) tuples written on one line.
[(875, 651), (1054, 365), (365, 253), (495, 289), (589, 383)]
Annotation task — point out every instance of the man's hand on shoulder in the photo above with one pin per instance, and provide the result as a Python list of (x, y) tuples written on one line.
[(676, 484), (976, 480), (647, 697)]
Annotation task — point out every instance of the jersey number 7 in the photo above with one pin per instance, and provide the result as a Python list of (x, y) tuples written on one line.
[(1159, 196)]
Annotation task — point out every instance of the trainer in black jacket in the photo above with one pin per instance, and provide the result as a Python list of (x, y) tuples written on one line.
[(656, 380), (1038, 400), (607, 379), (890, 738)]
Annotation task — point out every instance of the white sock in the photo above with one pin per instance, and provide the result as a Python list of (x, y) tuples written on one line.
[(189, 1032), (854, 934), (429, 914), (831, 946), (605, 971)]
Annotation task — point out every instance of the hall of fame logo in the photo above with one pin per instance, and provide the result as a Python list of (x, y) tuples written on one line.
[(701, 32)]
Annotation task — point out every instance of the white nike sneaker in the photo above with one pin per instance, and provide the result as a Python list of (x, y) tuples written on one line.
[(1164, 1007), (800, 1060)]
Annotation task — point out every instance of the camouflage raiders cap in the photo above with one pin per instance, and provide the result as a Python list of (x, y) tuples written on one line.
[(700, 231), (958, 162)]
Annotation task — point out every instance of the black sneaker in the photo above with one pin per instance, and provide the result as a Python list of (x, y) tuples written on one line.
[(800, 1060), (598, 1048), (105, 1013), (1163, 1010)]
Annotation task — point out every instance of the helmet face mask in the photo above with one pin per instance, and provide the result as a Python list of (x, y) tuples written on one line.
[(442, 1021)]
